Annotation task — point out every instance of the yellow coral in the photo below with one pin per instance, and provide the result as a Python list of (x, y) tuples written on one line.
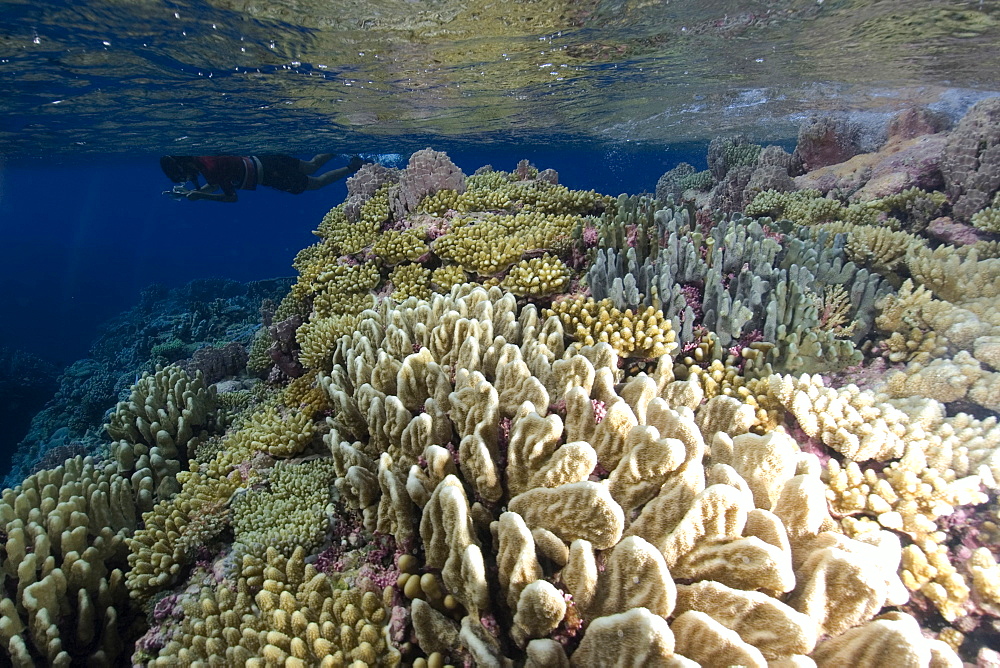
[(290, 511), (76, 516), (344, 289), (487, 244), (901, 499), (446, 276), (302, 617), (647, 334), (988, 219), (537, 277), (985, 578), (318, 337), (174, 529), (927, 569), (395, 246), (410, 280)]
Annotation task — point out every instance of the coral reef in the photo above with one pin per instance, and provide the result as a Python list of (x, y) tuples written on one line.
[(200, 314), (510, 423), (825, 140), (971, 161)]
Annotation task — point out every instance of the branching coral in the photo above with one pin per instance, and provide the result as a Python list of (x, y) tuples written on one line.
[(290, 511), (64, 532), (660, 514), (644, 334), (538, 276), (446, 444)]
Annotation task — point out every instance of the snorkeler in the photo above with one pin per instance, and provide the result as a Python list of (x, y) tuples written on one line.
[(227, 173)]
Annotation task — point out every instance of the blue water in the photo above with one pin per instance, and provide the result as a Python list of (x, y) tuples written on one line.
[(83, 237)]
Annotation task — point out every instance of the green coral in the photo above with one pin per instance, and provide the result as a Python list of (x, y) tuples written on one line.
[(488, 180), (349, 237), (701, 181), (914, 206), (172, 350), (988, 219), (806, 207), (410, 280), (446, 276), (288, 512), (394, 246), (539, 276), (344, 289), (487, 244), (728, 153), (260, 361), (499, 191), (438, 203)]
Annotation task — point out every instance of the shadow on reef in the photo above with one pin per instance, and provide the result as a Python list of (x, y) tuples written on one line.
[(507, 423), (167, 325)]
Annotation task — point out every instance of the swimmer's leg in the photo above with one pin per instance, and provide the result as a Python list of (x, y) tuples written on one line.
[(310, 166), (325, 179)]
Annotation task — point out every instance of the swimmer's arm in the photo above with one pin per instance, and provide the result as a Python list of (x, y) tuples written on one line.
[(207, 192)]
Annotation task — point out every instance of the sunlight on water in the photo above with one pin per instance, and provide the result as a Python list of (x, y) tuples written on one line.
[(143, 74)]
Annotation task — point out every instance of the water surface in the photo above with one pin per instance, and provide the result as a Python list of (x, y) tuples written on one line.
[(115, 76)]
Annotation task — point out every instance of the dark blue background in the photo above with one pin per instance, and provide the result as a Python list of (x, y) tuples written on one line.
[(82, 237)]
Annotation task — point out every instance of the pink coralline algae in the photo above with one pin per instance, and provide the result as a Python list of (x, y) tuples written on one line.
[(433, 226), (631, 235), (284, 351), (566, 634), (559, 407), (895, 167), (363, 185), (380, 576), (773, 234), (330, 560), (427, 172), (692, 296), (399, 624), (951, 232), (867, 375), (166, 613), (491, 625), (168, 606), (916, 121), (504, 439), (826, 141), (600, 410)]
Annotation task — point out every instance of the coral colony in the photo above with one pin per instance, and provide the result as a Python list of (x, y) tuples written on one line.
[(750, 420)]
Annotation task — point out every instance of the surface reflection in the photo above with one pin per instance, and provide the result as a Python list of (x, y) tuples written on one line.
[(473, 71)]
